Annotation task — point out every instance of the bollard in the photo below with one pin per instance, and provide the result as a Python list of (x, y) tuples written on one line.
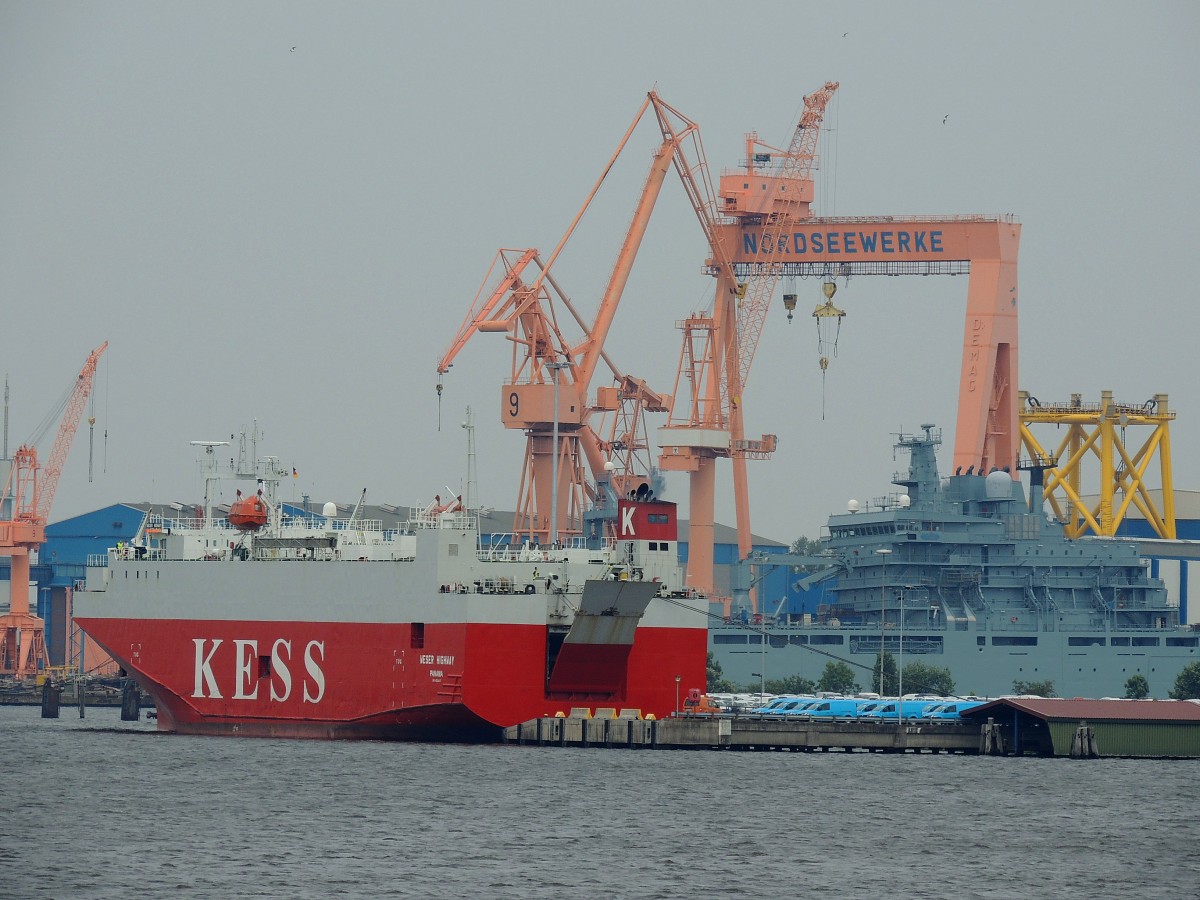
[(50, 698)]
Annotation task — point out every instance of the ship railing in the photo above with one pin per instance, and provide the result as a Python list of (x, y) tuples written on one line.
[(1014, 623), (164, 525), (502, 549), (755, 624), (870, 643), (125, 551), (427, 519), (373, 525)]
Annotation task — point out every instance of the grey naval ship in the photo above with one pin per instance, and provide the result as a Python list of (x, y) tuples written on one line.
[(962, 573)]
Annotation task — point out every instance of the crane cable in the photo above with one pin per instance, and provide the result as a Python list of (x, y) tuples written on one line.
[(827, 349), (50, 418), (827, 345), (107, 385)]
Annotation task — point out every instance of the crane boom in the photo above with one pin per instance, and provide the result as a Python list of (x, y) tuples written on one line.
[(793, 180), (22, 635), (66, 435), (546, 395)]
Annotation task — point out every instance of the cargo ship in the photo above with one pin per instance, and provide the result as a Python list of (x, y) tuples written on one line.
[(963, 573), (274, 621)]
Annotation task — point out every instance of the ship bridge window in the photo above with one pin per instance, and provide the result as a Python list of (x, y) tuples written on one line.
[(1120, 642), (729, 638), (1182, 641), (827, 639), (1085, 642), (1145, 642)]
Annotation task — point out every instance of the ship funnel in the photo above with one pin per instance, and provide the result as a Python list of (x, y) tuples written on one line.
[(1036, 494)]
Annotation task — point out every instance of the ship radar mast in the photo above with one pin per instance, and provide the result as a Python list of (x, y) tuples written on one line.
[(210, 474)]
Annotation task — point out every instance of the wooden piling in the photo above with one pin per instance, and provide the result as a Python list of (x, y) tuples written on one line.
[(131, 701), (51, 694)]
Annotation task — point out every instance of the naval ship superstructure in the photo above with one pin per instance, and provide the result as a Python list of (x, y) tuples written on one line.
[(962, 573)]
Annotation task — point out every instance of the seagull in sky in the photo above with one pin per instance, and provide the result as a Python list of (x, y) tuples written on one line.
[(944, 118)]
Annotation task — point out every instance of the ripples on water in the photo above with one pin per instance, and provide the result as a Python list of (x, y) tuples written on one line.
[(99, 808)]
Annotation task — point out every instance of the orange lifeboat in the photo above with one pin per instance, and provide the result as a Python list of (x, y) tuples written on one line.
[(248, 513)]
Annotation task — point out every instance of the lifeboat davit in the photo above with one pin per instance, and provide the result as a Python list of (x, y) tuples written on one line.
[(248, 513)]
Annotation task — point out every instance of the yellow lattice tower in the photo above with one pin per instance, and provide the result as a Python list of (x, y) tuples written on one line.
[(1098, 431)]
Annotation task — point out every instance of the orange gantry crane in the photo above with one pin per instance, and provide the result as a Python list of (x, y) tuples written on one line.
[(546, 395), (29, 493), (767, 231)]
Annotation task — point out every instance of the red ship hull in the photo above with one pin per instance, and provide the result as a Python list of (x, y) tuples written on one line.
[(387, 681)]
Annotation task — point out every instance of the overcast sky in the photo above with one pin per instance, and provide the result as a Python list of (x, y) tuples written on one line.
[(282, 211)]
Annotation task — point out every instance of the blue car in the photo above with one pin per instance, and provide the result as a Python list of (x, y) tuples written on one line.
[(951, 710), (784, 706), (842, 709), (910, 710)]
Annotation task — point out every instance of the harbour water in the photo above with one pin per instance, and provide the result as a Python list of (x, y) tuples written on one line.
[(98, 808)]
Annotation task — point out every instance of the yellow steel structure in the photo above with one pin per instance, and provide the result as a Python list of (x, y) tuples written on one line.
[(1099, 430)]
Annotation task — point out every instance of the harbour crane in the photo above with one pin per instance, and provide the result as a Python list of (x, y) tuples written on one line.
[(546, 395), (706, 423), (767, 231), (29, 494)]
